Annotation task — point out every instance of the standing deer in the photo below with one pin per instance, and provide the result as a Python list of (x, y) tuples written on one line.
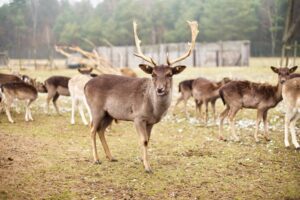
[(55, 86), (20, 91), (76, 88), (245, 94), (141, 100), (206, 91), (291, 99), (185, 89)]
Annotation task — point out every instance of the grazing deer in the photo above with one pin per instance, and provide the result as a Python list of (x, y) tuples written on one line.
[(8, 78), (76, 88), (185, 89), (245, 94), (20, 91), (55, 86), (291, 99), (141, 100), (206, 91)]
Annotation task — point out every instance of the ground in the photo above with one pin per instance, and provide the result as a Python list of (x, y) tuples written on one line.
[(51, 159)]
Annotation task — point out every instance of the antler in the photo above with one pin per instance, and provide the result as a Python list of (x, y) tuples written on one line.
[(194, 30), (139, 51)]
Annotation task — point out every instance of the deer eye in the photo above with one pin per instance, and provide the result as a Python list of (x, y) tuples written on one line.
[(169, 75)]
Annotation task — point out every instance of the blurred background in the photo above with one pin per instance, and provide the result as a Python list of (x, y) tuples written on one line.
[(29, 29)]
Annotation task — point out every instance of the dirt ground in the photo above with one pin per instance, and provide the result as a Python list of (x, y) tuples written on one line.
[(51, 159)]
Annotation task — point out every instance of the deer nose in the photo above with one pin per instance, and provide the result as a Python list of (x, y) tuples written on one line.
[(282, 81), (160, 90)]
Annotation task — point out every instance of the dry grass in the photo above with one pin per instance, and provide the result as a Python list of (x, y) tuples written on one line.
[(51, 159)]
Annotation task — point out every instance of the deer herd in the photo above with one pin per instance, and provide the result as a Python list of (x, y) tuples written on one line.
[(146, 101)]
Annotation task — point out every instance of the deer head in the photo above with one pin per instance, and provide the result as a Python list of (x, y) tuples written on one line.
[(162, 74), (283, 73)]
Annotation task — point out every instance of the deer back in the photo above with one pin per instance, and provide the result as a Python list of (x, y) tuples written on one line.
[(7, 78), (19, 90)]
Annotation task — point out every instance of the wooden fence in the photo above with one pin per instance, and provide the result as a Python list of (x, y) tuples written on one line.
[(229, 53)]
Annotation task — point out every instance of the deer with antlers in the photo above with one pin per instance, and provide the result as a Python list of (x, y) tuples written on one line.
[(141, 100)]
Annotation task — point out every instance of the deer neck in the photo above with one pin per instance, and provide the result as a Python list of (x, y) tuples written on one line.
[(160, 104), (278, 92)]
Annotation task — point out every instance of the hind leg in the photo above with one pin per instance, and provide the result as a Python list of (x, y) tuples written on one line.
[(80, 107), (266, 128), (28, 111), (95, 125), (223, 115), (54, 102), (106, 121), (231, 116), (213, 106), (287, 120)]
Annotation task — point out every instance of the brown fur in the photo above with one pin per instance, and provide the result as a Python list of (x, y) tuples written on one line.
[(245, 94), (8, 78), (56, 86), (206, 91), (185, 88), (128, 72), (20, 91), (141, 100)]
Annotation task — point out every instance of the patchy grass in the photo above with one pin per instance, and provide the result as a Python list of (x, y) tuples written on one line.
[(52, 159)]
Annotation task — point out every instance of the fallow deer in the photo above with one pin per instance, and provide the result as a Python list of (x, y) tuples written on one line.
[(21, 91), (185, 89), (141, 100), (291, 99), (55, 86), (76, 88), (245, 94), (207, 91)]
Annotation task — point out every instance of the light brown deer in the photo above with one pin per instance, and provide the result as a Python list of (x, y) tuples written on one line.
[(185, 89), (207, 91), (20, 91), (141, 100), (245, 94), (291, 99)]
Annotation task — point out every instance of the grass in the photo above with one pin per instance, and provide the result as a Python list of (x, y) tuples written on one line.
[(52, 159)]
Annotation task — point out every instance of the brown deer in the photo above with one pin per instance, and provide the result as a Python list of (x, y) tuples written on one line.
[(245, 94), (141, 100), (185, 89), (207, 91), (21, 91), (291, 99), (56, 86)]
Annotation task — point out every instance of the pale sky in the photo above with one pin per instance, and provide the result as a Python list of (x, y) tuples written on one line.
[(94, 2)]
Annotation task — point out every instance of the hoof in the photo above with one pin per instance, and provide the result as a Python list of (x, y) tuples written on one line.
[(97, 162), (222, 138), (113, 160), (267, 139), (297, 148), (149, 171)]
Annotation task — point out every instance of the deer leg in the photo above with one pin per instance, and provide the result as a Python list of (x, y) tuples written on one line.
[(96, 122), (213, 106), (106, 121), (258, 120), (73, 110), (54, 102), (206, 111), (88, 109), (293, 131), (141, 128), (49, 97), (199, 107), (223, 115), (8, 102), (266, 127), (231, 116), (82, 114), (185, 107), (287, 120)]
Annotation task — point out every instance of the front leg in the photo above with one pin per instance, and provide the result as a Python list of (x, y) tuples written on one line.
[(265, 116), (141, 128)]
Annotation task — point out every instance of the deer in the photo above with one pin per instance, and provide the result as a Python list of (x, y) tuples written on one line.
[(76, 88), (245, 94), (207, 91), (185, 89), (144, 101), (21, 91), (56, 86), (291, 100)]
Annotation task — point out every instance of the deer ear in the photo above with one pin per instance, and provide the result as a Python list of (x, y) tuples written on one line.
[(178, 69), (274, 69), (293, 69), (146, 68)]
